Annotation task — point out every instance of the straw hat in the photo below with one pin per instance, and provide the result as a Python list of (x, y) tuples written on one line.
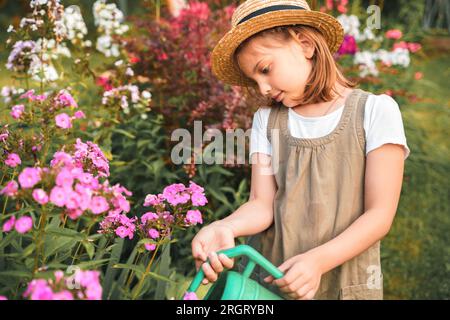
[(253, 16)]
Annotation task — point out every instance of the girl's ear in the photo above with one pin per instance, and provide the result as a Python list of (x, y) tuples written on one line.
[(306, 45)]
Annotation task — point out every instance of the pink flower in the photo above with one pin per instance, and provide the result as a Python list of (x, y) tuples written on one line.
[(61, 157), (3, 298), (63, 295), (190, 296), (74, 214), (64, 179), (162, 56), (24, 224), (72, 199), (341, 8), (29, 177), (9, 224), (401, 45), (10, 189), (13, 160), (40, 196), (17, 110), (198, 199), (29, 94), (195, 188), (40, 97), (85, 178), (94, 292), (418, 75), (149, 216), (63, 121), (348, 46), (393, 34), (90, 281), (414, 47), (58, 196), (38, 289), (79, 114), (65, 99), (58, 275), (150, 246), (153, 200), (122, 231), (104, 82), (99, 205), (194, 217), (153, 233)]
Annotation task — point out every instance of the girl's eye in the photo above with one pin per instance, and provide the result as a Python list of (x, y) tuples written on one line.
[(265, 70)]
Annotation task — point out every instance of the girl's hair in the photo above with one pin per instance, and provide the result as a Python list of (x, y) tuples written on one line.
[(324, 74)]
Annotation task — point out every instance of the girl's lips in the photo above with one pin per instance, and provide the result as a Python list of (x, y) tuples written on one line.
[(278, 96)]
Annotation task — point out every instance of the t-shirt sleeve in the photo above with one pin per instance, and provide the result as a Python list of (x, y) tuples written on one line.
[(258, 137), (383, 124)]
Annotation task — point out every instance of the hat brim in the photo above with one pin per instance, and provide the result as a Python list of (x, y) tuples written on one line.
[(222, 64)]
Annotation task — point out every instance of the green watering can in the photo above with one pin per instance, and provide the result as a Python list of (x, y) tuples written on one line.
[(232, 285)]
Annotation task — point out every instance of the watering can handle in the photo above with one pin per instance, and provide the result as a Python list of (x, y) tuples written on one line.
[(242, 250)]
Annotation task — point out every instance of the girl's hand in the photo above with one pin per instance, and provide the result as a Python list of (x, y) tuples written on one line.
[(210, 239), (301, 279)]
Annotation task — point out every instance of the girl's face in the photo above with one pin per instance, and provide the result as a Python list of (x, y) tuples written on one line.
[(281, 69)]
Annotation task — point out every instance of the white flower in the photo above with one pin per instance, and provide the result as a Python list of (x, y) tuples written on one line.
[(73, 20), (118, 63), (350, 24), (10, 28), (146, 94), (42, 71), (108, 19), (129, 72)]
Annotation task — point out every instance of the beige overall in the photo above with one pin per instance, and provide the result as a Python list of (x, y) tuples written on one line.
[(320, 194)]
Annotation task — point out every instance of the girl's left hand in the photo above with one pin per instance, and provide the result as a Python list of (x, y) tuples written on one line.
[(301, 279)]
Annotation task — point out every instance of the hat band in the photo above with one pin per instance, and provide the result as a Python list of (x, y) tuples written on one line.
[(269, 9)]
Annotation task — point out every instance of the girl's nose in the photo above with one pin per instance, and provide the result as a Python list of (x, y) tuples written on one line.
[(264, 88)]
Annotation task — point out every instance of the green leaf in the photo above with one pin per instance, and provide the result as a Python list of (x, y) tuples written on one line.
[(16, 273), (125, 133), (160, 277), (164, 270), (92, 263), (110, 270), (90, 249), (64, 232), (138, 269)]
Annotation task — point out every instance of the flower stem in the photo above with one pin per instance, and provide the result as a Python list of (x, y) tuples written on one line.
[(40, 240), (136, 261), (141, 282)]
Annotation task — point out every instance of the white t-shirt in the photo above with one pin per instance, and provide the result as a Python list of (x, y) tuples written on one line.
[(382, 124)]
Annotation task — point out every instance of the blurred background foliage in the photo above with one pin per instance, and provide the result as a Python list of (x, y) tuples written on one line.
[(415, 254)]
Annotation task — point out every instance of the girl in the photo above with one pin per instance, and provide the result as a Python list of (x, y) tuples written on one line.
[(327, 159)]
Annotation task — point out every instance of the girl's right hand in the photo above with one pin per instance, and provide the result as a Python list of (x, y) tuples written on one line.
[(210, 239)]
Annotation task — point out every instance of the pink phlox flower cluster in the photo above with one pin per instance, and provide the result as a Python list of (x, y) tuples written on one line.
[(65, 99), (10, 190), (176, 194), (118, 224), (17, 111), (83, 285), (13, 160), (22, 225), (190, 296), (30, 96)]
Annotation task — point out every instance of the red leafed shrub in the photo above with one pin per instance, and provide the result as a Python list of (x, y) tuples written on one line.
[(174, 54)]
